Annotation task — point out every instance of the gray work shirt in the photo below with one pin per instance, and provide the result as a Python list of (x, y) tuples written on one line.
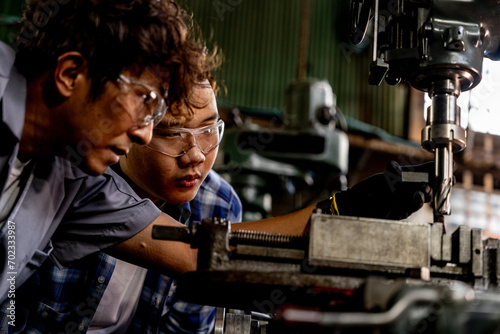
[(62, 212)]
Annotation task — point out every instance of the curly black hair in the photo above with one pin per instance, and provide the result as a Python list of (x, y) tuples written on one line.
[(114, 35)]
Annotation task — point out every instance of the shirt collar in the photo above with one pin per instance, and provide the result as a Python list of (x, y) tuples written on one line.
[(180, 212)]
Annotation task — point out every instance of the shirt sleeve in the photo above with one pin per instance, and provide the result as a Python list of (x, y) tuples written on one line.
[(104, 212)]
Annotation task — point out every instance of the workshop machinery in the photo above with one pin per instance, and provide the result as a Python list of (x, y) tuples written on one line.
[(348, 275), (360, 275), (303, 150), (300, 155), (438, 47)]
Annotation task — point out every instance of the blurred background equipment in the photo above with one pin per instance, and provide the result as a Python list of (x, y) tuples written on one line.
[(304, 154)]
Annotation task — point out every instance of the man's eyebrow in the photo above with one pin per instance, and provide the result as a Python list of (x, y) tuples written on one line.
[(212, 117), (175, 124)]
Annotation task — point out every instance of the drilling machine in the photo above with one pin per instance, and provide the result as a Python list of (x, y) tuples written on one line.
[(438, 47), (360, 275)]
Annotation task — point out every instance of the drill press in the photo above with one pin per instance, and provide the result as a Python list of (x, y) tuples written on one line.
[(438, 47)]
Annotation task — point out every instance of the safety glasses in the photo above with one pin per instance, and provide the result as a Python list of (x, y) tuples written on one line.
[(175, 142), (148, 103)]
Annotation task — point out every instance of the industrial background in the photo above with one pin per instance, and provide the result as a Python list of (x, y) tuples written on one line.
[(269, 44)]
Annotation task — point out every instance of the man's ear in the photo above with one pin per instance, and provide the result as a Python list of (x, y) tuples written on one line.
[(71, 69)]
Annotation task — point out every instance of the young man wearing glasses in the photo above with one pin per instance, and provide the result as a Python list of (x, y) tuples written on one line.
[(173, 171)]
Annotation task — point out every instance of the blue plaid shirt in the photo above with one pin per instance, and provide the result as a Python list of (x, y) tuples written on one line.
[(64, 301)]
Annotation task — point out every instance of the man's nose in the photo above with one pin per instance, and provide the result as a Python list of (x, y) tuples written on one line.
[(193, 156), (141, 135)]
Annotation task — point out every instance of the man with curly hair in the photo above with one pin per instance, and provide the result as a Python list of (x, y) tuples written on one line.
[(86, 79)]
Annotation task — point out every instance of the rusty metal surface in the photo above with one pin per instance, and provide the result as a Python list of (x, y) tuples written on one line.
[(367, 243)]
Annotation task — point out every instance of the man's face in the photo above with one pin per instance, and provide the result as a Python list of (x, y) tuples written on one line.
[(174, 179), (107, 127)]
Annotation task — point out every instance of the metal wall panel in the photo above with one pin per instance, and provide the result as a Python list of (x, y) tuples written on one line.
[(260, 40), (10, 12)]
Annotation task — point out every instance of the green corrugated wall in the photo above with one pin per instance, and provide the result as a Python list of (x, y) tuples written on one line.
[(260, 41), (10, 11)]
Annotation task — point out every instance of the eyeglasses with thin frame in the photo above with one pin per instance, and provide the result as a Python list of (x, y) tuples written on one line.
[(148, 102), (176, 142)]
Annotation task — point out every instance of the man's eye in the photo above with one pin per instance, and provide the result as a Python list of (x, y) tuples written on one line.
[(168, 134), (147, 98), (207, 131), (142, 94)]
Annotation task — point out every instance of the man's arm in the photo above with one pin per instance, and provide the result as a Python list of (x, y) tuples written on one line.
[(294, 223), (168, 257), (173, 258)]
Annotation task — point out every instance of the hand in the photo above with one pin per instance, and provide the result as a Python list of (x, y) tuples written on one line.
[(385, 196)]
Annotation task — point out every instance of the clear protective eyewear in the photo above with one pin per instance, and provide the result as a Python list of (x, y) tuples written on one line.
[(148, 102), (176, 142)]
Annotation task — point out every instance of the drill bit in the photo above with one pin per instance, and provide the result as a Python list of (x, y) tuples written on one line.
[(442, 197), (444, 180)]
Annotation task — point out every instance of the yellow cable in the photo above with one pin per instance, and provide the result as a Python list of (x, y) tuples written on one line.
[(334, 207)]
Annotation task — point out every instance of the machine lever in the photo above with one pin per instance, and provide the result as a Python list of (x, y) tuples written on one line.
[(182, 234)]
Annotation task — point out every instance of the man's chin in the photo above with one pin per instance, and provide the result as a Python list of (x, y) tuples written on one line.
[(94, 168), (180, 197), (95, 172), (93, 163)]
